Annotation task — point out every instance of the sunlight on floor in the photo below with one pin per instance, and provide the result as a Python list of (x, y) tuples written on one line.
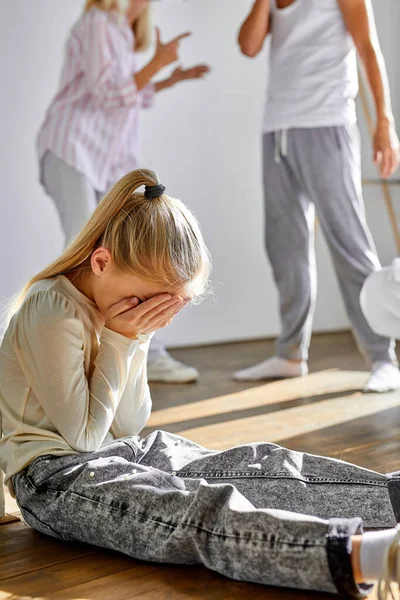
[(324, 382), (285, 422)]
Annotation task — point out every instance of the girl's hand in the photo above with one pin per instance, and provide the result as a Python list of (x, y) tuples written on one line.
[(196, 72), (167, 53), (130, 318)]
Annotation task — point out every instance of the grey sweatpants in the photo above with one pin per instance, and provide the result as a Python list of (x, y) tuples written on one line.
[(304, 170), (257, 512)]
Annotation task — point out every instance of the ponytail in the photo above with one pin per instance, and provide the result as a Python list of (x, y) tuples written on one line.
[(156, 238)]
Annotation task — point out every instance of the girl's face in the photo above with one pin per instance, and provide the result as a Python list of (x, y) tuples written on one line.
[(135, 9), (108, 286)]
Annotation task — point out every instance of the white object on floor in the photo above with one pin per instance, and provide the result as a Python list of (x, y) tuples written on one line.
[(391, 568), (372, 552), (166, 369), (385, 377), (273, 368)]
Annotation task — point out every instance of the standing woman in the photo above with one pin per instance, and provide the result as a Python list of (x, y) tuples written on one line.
[(90, 136)]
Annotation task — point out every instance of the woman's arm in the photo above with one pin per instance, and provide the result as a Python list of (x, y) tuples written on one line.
[(255, 28), (49, 342), (179, 74), (165, 55), (359, 20), (99, 63)]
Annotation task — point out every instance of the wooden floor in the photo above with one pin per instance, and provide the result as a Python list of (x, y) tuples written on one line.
[(324, 413)]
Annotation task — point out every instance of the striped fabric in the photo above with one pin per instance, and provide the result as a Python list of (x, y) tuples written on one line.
[(93, 122)]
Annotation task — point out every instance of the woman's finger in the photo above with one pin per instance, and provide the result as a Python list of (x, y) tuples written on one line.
[(203, 68), (180, 37)]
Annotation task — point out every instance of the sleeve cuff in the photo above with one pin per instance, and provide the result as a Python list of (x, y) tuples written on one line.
[(118, 340), (147, 94), (144, 338), (130, 93)]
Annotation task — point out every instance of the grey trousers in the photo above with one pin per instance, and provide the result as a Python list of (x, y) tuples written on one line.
[(72, 193), (304, 170), (258, 513)]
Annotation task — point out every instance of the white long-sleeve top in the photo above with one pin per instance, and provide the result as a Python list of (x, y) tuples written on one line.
[(93, 122), (67, 383)]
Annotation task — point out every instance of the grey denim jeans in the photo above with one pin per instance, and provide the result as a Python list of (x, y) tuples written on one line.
[(257, 513)]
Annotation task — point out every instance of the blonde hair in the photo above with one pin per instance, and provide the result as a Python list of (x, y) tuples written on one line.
[(142, 28), (159, 240)]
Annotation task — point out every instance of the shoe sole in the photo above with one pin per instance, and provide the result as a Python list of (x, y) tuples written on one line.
[(281, 378), (173, 381)]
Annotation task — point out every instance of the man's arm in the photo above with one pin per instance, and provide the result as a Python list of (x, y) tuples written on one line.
[(359, 20), (255, 28)]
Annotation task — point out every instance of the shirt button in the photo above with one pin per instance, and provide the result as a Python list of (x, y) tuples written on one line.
[(173, 473), (91, 474), (134, 471)]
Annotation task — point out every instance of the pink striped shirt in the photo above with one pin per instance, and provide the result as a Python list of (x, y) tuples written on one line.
[(93, 122)]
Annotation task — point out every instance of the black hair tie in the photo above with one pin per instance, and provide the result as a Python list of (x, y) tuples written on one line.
[(154, 191)]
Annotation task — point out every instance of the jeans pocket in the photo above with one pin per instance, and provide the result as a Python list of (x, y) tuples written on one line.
[(38, 525), (36, 471)]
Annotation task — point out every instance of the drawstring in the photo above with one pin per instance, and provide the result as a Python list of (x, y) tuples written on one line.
[(281, 145)]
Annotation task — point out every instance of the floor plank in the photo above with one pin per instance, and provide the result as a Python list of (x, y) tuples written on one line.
[(280, 425), (19, 538), (54, 578), (31, 560), (7, 519)]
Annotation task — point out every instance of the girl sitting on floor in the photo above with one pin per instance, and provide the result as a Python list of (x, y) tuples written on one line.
[(74, 398)]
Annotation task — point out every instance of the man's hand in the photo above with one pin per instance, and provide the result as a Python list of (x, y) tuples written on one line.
[(386, 148), (359, 20)]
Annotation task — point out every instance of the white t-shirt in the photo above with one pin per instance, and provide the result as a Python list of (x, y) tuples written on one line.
[(67, 383), (313, 78)]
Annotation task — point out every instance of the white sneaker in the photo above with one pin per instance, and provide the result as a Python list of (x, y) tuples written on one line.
[(273, 368), (391, 570), (385, 377), (166, 369)]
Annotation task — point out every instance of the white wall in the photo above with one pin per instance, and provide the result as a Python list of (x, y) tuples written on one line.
[(202, 137)]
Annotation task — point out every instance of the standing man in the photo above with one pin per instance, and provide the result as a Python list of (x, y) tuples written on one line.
[(312, 161)]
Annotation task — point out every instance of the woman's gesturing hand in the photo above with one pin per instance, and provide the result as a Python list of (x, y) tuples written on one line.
[(196, 72), (130, 318), (167, 53)]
